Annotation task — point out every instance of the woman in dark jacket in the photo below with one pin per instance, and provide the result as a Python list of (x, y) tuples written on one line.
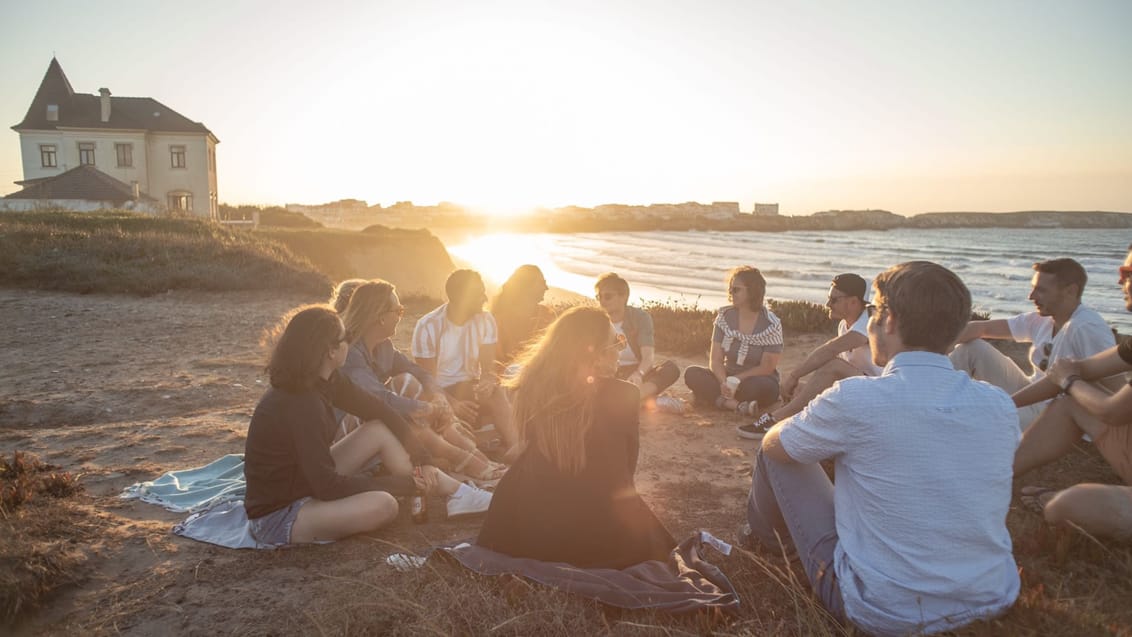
[(570, 497)]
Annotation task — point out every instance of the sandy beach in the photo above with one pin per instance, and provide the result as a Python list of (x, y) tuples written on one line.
[(121, 389)]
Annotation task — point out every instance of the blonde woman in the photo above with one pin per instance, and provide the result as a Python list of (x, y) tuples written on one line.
[(570, 496), (375, 365)]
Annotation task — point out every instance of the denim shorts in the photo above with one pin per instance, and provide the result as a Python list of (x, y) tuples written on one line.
[(274, 529)]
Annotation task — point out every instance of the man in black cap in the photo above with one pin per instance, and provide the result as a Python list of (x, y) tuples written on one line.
[(841, 357)]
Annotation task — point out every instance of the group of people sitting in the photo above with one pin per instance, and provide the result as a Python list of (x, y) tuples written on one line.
[(911, 537)]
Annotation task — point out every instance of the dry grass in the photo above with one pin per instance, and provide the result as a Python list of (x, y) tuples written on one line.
[(41, 526), (119, 252)]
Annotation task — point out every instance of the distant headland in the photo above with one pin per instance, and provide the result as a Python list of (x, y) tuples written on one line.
[(719, 216)]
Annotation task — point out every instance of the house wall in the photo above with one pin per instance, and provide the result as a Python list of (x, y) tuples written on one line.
[(152, 165), (67, 153), (193, 178), (78, 205)]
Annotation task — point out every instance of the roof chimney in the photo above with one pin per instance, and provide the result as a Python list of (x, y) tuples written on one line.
[(105, 93)]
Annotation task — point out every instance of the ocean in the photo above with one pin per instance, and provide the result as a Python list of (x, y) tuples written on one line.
[(690, 267)]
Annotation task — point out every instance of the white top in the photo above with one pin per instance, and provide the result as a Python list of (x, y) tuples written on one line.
[(859, 357), (626, 356), (456, 348), (924, 461), (1084, 334)]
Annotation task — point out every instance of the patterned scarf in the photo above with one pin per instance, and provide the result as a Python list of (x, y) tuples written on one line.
[(772, 335)]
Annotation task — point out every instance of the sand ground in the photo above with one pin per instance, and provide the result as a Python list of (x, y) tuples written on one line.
[(121, 389)]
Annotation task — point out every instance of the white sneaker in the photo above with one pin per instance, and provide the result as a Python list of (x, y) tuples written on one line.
[(468, 501), (671, 405)]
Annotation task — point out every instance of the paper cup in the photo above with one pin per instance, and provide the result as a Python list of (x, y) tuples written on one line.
[(732, 383)]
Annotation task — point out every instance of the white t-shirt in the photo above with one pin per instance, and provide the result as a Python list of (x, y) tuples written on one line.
[(1084, 334), (626, 357), (860, 357), (456, 348), (924, 460)]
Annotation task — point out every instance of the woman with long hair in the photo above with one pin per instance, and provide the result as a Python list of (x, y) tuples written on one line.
[(746, 344), (570, 496), (302, 487), (519, 312), (373, 363)]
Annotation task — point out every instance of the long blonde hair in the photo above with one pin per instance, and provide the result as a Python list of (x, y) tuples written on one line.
[(368, 302), (554, 392)]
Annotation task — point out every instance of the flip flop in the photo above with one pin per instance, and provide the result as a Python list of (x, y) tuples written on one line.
[(1035, 498)]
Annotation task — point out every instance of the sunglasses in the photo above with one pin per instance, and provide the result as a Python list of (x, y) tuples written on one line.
[(834, 299), (1125, 272), (1046, 349), (619, 343)]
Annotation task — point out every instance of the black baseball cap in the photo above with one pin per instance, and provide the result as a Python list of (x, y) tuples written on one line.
[(850, 284)]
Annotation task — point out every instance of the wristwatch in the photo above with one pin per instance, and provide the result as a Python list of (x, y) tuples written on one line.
[(1068, 382)]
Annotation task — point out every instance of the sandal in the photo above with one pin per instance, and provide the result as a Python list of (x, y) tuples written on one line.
[(1035, 499)]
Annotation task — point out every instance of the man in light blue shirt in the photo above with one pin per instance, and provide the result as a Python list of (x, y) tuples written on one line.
[(912, 537)]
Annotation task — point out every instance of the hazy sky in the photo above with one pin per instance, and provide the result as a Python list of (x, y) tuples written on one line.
[(903, 105)]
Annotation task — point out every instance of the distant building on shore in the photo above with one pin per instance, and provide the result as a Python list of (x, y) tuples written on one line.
[(131, 148), (766, 209)]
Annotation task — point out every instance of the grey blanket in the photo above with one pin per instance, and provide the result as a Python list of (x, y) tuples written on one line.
[(684, 583)]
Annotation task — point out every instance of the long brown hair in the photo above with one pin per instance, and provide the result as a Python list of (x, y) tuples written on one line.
[(368, 302), (554, 392), (299, 343)]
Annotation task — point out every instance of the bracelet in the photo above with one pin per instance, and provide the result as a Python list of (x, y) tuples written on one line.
[(1068, 384)]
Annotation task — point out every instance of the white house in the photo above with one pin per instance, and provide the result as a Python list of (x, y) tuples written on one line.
[(164, 157)]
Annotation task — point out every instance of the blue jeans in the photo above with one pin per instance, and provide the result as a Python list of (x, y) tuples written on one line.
[(795, 502)]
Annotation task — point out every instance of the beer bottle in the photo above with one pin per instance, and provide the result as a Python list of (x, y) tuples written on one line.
[(418, 504)]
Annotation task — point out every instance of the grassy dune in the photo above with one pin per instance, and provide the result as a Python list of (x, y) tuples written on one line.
[(119, 252)]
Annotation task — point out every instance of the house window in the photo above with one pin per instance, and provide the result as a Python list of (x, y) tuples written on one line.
[(177, 156), (47, 157), (125, 155), (52, 112), (86, 153), (181, 201)]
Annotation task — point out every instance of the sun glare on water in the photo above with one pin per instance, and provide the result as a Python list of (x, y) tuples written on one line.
[(496, 256)]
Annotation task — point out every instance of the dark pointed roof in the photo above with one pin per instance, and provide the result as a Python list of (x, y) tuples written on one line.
[(84, 182), (84, 110)]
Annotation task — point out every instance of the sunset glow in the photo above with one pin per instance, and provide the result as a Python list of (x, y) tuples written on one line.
[(905, 106)]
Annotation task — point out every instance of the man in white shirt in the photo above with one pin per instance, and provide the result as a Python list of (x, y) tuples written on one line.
[(1102, 510), (1060, 326), (843, 356), (456, 344), (912, 537)]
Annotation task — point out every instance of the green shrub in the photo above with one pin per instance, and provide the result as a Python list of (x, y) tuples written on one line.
[(803, 317), (684, 329)]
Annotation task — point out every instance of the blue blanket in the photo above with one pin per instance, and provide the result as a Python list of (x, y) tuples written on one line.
[(194, 489)]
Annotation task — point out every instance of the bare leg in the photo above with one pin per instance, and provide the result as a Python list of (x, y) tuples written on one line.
[(361, 512), (1100, 509), (820, 380), (501, 414), (1051, 436), (352, 452)]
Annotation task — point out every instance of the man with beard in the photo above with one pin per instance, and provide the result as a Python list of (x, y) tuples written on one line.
[(1083, 407), (1060, 326)]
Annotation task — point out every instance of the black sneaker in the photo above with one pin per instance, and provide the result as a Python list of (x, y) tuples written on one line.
[(757, 429)]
